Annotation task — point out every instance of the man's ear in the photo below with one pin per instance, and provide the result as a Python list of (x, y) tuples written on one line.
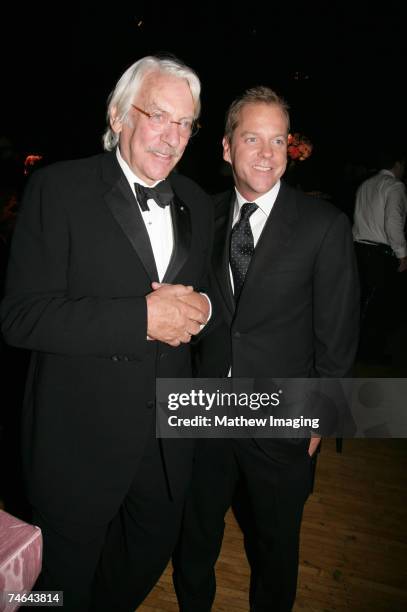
[(226, 150), (115, 123)]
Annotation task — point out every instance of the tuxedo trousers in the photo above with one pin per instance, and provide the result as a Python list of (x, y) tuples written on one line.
[(268, 497), (113, 566)]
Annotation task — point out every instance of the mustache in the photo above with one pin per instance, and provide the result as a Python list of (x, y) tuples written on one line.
[(172, 151)]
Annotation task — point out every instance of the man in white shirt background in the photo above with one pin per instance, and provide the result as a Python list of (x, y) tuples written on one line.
[(381, 248)]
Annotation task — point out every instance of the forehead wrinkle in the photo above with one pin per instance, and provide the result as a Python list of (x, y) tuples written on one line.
[(152, 105), (149, 96)]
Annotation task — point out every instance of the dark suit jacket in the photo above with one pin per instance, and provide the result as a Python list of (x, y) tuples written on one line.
[(81, 264), (298, 312)]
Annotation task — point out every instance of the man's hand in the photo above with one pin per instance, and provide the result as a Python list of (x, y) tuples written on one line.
[(403, 264), (194, 298), (170, 318), (313, 445)]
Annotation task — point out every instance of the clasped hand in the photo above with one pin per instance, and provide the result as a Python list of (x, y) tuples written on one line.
[(175, 313)]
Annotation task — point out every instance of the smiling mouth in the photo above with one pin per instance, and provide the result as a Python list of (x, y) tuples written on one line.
[(263, 168), (163, 155)]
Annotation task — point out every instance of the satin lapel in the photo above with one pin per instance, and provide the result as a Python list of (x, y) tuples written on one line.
[(274, 239), (220, 258), (125, 210), (181, 225)]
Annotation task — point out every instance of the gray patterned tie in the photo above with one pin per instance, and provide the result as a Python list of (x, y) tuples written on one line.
[(241, 246)]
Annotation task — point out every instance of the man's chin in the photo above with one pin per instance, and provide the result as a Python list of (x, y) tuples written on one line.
[(259, 188), (161, 169)]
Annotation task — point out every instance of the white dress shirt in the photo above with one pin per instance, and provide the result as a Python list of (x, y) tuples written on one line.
[(157, 221), (258, 219), (158, 224), (380, 212)]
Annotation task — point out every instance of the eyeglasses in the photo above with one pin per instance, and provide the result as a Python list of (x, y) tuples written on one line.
[(160, 119)]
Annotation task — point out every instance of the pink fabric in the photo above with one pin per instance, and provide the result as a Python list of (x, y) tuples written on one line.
[(20, 556)]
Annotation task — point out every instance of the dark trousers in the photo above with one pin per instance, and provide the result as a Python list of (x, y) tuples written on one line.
[(380, 297), (271, 498), (106, 567)]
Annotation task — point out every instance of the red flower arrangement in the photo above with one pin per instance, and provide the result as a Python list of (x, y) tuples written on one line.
[(299, 147), (30, 162)]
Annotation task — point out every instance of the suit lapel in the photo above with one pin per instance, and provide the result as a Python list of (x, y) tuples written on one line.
[(181, 225), (123, 205), (274, 239), (125, 210), (223, 228)]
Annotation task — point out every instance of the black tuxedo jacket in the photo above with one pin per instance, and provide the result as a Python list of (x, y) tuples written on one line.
[(298, 312), (81, 264)]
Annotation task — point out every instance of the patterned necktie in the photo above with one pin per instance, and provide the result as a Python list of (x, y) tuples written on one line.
[(161, 193), (241, 246)]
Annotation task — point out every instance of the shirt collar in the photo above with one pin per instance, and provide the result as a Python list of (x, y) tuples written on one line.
[(264, 202), (129, 174), (387, 172)]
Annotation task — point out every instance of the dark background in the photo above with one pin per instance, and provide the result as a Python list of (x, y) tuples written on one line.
[(341, 68)]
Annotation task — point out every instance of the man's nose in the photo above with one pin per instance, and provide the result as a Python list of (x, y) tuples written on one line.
[(170, 134), (266, 150)]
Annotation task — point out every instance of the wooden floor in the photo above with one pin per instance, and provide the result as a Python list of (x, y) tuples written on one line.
[(353, 553)]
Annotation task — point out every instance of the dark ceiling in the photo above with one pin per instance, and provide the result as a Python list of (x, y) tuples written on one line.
[(341, 70)]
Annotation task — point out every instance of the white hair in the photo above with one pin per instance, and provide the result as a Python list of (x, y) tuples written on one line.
[(129, 85)]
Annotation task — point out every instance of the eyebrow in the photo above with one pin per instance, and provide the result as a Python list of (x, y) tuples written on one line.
[(155, 107), (252, 133)]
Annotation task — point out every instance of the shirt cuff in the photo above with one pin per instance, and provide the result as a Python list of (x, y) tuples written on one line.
[(210, 310), (400, 252)]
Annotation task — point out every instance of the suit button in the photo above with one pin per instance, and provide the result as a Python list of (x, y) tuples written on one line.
[(236, 334), (114, 358), (125, 358), (150, 405), (163, 356)]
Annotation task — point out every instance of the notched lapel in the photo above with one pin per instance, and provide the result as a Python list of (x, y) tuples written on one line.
[(181, 225), (125, 210), (275, 238)]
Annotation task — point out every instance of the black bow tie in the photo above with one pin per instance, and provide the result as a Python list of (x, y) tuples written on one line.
[(161, 193)]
